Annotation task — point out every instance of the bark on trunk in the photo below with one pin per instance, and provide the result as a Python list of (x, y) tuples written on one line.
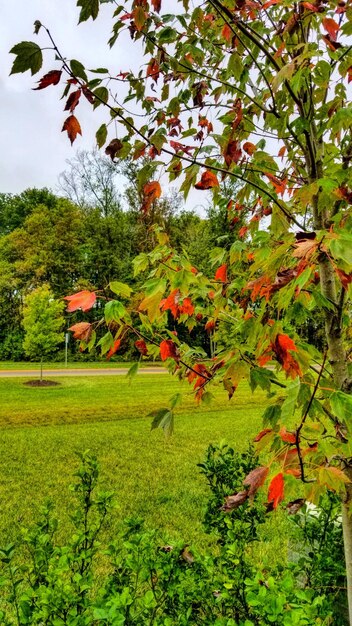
[(347, 542)]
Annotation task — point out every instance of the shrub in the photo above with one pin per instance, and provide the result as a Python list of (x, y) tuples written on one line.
[(137, 580)]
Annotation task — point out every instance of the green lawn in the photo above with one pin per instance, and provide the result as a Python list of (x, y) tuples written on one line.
[(41, 428)]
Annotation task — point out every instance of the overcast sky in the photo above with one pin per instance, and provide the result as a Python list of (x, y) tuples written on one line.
[(33, 148)]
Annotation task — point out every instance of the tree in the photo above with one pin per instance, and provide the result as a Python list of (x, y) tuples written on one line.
[(42, 322), (255, 92)]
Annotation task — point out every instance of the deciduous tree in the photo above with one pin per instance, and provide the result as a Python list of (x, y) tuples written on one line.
[(256, 92)]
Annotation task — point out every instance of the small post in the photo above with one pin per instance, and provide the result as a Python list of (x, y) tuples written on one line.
[(67, 337)]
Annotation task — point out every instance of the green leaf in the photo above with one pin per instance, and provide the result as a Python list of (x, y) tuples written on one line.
[(164, 419), (259, 376), (106, 342), (140, 263), (341, 247), (167, 35), (175, 400), (132, 372), (101, 135), (341, 404), (78, 69), (120, 288), (101, 95), (90, 8), (28, 57), (289, 404), (114, 311)]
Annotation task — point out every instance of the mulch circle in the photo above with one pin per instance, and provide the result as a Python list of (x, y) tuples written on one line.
[(41, 383)]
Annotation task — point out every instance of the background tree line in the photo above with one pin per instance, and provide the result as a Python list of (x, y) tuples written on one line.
[(88, 234)]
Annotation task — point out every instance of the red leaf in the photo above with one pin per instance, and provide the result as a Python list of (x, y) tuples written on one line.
[(345, 279), (232, 152), (285, 343), (113, 148), (331, 27), (72, 100), (156, 4), (249, 147), (281, 347), (207, 181), (151, 192), (88, 94), (153, 69), (276, 489), (73, 128), (168, 349), (221, 273), (187, 307), (268, 4), (51, 78), (84, 300), (286, 436), (82, 330), (141, 346), (310, 7), (262, 434), (171, 303), (333, 45), (255, 479), (209, 326)]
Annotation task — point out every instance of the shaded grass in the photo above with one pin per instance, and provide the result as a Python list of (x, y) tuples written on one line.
[(41, 429)]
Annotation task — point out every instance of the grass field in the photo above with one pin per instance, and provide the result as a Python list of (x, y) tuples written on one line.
[(42, 428), (29, 365)]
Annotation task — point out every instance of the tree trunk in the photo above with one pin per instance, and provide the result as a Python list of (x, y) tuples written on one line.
[(347, 541), (41, 369), (337, 359)]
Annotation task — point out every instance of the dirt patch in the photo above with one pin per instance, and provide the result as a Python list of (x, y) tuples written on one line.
[(41, 383)]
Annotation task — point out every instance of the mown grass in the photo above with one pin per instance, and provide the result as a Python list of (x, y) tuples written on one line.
[(41, 429), (47, 366)]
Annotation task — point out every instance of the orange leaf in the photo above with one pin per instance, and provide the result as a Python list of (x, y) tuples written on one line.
[(151, 192), (114, 348), (141, 346), (73, 128), (168, 349), (227, 33), (262, 434), (278, 184), (331, 27), (305, 248), (268, 4), (171, 303), (82, 330), (285, 342), (187, 307), (282, 151), (221, 273), (255, 479), (51, 78), (276, 489), (209, 326), (207, 181), (72, 101), (84, 300), (286, 436), (249, 147)]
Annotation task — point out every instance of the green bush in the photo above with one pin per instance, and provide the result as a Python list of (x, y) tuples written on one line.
[(136, 580)]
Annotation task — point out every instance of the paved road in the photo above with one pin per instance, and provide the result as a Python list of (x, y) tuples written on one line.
[(121, 371)]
